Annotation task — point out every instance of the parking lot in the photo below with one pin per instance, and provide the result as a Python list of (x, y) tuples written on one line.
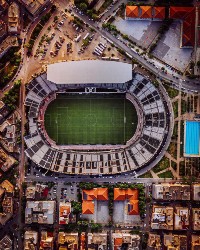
[(63, 192), (65, 40), (168, 48)]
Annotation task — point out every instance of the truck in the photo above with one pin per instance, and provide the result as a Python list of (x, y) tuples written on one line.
[(77, 39), (130, 56), (109, 41), (86, 36)]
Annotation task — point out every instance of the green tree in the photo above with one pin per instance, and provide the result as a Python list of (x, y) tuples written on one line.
[(83, 6)]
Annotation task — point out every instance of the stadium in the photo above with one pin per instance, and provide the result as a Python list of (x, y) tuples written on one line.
[(96, 118)]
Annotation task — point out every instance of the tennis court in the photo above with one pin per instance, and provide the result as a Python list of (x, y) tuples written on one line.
[(90, 119), (192, 138)]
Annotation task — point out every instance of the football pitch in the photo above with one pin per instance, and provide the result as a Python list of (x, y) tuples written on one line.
[(90, 119)]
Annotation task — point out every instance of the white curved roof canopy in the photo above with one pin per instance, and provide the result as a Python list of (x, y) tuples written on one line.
[(89, 71)]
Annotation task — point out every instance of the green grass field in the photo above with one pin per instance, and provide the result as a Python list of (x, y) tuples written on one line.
[(90, 119)]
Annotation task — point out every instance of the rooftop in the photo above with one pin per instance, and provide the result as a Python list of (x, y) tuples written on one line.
[(196, 218), (34, 7), (196, 192), (30, 240), (132, 241), (64, 212), (162, 217), (175, 242), (97, 239), (7, 186), (145, 12), (41, 212), (6, 243), (95, 194), (13, 17), (181, 218), (167, 191), (187, 16), (89, 71), (68, 238), (46, 242), (195, 242), (154, 242)]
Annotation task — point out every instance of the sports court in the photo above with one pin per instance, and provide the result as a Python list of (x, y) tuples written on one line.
[(192, 139), (90, 119)]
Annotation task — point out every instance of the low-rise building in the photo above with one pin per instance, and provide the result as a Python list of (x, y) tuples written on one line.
[(195, 242), (175, 242), (181, 218), (154, 242), (6, 161), (13, 18), (68, 241), (162, 217), (196, 192), (3, 29), (4, 111), (120, 239), (35, 6), (30, 240), (196, 218), (126, 206), (8, 132), (97, 241), (6, 243), (64, 212), (91, 200), (82, 241), (30, 192), (7, 186), (35, 192), (3, 5), (42, 212), (7, 190), (46, 242), (167, 191)]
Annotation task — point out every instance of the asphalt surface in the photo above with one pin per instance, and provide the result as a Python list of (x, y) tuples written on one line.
[(186, 84)]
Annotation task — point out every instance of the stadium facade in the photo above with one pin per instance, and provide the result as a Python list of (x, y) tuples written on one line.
[(143, 150)]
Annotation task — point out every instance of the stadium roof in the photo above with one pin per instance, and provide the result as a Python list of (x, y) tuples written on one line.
[(192, 139), (89, 71)]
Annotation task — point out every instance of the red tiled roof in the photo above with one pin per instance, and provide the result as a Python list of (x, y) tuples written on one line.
[(102, 194), (132, 11), (95, 194), (187, 14), (123, 194), (159, 12), (133, 207), (87, 207), (89, 195), (146, 12), (118, 241), (119, 194)]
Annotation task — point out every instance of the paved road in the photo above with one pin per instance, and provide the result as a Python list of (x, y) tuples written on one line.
[(186, 83)]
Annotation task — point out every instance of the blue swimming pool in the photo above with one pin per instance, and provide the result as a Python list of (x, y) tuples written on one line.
[(192, 138)]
